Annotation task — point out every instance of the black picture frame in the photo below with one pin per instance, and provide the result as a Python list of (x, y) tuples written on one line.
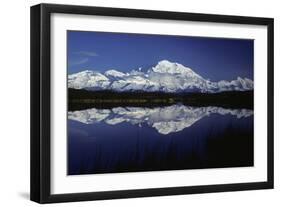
[(41, 95)]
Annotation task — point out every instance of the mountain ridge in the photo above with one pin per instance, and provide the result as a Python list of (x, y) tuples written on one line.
[(166, 76)]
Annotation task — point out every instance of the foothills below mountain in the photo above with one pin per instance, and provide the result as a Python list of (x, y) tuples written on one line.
[(164, 77)]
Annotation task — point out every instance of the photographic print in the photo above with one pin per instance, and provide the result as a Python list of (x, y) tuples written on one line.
[(132, 103), (141, 102)]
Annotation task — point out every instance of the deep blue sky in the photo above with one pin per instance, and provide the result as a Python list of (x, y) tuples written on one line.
[(212, 58)]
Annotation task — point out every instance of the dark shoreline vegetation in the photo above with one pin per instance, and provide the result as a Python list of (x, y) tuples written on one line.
[(79, 99)]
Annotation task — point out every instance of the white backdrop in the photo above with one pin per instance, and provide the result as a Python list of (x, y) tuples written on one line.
[(14, 85)]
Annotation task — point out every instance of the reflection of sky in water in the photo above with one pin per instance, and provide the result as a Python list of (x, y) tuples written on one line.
[(161, 138)]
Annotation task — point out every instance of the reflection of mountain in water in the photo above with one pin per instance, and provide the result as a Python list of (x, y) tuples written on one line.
[(165, 120)]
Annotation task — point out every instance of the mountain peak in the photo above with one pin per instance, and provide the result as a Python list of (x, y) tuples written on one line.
[(165, 62), (165, 66), (84, 72), (240, 79), (114, 73)]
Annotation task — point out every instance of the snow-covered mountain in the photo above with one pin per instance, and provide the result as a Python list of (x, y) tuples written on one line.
[(165, 77), (165, 120)]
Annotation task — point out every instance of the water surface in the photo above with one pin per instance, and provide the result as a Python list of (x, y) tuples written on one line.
[(131, 139)]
